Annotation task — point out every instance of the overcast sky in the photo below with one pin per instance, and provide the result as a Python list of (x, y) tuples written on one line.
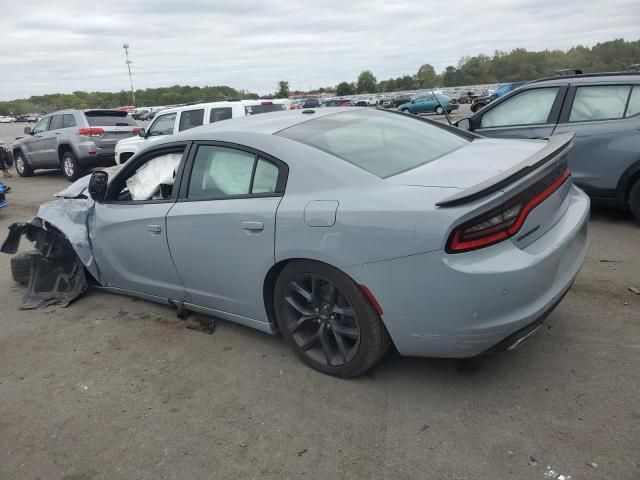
[(67, 45)]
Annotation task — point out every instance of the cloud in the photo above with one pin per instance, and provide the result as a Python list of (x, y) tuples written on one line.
[(70, 45)]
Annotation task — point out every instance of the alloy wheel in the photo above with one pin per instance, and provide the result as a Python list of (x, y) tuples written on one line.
[(68, 167), (321, 320), (20, 164)]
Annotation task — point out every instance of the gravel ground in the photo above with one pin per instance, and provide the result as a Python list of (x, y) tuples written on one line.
[(118, 388)]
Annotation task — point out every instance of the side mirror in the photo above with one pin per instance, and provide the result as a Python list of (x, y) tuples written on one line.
[(142, 133), (98, 186), (27, 130), (464, 124)]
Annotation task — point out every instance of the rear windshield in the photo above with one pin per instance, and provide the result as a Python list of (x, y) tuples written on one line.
[(381, 143), (109, 118), (264, 108)]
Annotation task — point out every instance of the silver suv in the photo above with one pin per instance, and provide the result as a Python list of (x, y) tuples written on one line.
[(73, 141)]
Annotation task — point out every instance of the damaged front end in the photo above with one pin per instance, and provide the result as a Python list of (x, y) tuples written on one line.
[(57, 276)]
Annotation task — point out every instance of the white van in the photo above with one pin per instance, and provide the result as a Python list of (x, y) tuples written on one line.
[(177, 119)]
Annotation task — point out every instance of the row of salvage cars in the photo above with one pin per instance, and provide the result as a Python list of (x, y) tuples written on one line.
[(344, 229)]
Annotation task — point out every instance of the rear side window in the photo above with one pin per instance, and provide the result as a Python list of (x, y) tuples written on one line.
[(56, 122), (264, 108), (220, 172), (634, 102), (190, 119), (381, 143), (109, 118), (218, 114), (531, 107), (68, 120), (600, 102)]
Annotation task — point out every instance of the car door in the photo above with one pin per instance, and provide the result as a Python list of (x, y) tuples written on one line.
[(607, 141), (49, 142), (190, 119), (34, 142), (222, 229), (529, 113), (129, 234)]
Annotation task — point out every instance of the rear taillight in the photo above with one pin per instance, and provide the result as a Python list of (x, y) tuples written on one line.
[(135, 131), (505, 221), (91, 132)]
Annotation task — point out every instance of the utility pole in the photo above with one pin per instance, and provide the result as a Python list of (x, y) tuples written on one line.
[(128, 62)]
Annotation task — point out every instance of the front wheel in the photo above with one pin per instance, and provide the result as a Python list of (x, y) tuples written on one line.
[(405, 110), (634, 200), (70, 168), (22, 166), (327, 320)]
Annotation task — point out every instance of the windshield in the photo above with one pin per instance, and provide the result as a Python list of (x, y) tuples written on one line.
[(107, 118), (381, 143)]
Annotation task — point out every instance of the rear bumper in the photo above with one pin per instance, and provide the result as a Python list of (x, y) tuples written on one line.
[(442, 305)]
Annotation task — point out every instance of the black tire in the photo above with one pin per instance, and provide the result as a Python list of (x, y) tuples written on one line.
[(22, 165), (439, 110), (21, 268), (405, 110), (343, 334), (70, 167), (634, 200)]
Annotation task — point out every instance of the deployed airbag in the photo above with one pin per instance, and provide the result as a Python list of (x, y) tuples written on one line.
[(145, 183)]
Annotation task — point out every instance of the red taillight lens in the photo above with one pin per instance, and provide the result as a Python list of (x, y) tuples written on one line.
[(135, 131), (503, 222), (91, 132)]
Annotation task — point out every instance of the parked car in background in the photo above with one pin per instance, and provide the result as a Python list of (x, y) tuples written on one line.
[(311, 103), (428, 104), (139, 112), (6, 156), (343, 229), (175, 120), (337, 102), (7, 119), (73, 141), (604, 112)]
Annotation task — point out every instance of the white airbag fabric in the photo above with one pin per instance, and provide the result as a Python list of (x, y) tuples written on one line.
[(145, 183)]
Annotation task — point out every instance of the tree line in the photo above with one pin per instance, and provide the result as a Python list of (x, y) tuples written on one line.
[(518, 64)]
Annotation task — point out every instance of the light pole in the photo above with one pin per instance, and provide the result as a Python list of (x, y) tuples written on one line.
[(128, 62)]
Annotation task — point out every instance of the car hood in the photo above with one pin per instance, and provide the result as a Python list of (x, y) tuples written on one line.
[(470, 165), (131, 140)]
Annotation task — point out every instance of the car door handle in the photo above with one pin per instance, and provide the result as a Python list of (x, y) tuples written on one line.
[(253, 226), (154, 229)]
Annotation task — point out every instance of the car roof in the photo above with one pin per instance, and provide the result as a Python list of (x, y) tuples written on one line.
[(222, 103), (264, 123), (586, 78)]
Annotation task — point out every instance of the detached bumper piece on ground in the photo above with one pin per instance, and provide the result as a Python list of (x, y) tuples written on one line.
[(56, 275)]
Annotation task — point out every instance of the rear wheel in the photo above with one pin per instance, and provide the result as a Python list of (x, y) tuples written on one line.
[(70, 168), (22, 166), (439, 110), (634, 200), (327, 320), (21, 268)]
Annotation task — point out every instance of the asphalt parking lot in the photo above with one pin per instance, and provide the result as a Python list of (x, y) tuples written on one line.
[(113, 387)]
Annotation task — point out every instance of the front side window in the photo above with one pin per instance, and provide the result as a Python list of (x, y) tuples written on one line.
[(190, 119), (381, 143), (218, 114), (42, 125), (220, 172), (68, 120), (163, 125), (56, 122), (634, 102), (599, 102), (153, 180), (531, 107)]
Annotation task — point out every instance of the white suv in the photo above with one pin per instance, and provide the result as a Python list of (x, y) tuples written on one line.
[(174, 120)]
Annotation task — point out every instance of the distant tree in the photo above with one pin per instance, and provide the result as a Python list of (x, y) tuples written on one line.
[(283, 89), (427, 76), (450, 77), (366, 82), (344, 88)]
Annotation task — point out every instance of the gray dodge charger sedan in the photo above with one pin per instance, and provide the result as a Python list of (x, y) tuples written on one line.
[(344, 229)]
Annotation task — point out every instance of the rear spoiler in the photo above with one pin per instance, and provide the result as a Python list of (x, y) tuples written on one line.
[(556, 146)]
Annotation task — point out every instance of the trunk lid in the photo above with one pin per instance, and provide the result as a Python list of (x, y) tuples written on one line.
[(117, 125)]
